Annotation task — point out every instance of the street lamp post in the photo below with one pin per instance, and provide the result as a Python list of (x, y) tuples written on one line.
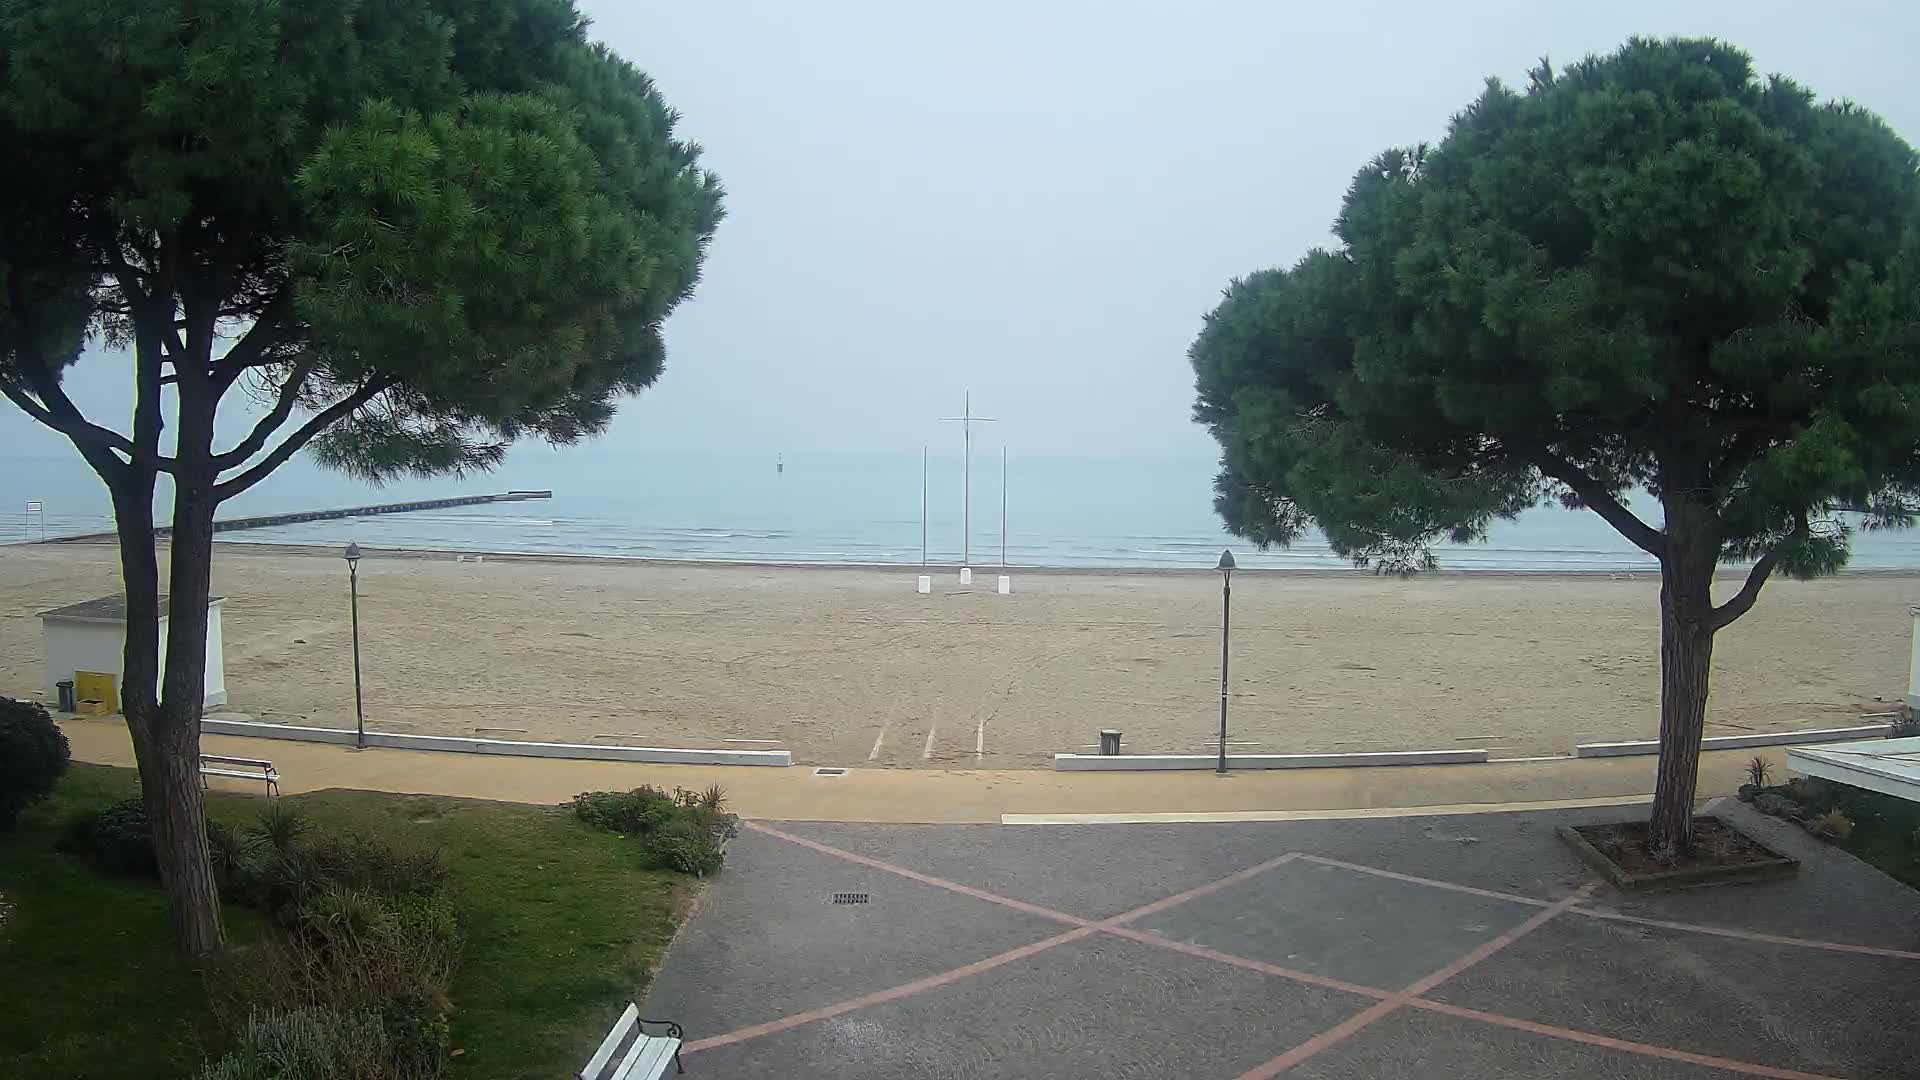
[(1226, 607), (353, 587)]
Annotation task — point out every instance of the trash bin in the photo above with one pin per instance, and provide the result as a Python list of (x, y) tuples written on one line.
[(65, 686), (1109, 742)]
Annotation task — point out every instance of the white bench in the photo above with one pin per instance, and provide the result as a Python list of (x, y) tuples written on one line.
[(629, 1053), (240, 768)]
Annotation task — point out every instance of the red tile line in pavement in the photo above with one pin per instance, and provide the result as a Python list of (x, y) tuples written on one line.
[(1607, 1042), (1615, 916), (1359, 1021), (1746, 935), (1085, 928), (1430, 883), (918, 986), (915, 875)]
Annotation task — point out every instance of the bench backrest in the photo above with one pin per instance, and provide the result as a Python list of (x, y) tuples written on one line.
[(265, 766), (611, 1045)]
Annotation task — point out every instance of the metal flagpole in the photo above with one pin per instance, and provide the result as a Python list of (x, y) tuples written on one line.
[(966, 420), (923, 507), (1003, 504)]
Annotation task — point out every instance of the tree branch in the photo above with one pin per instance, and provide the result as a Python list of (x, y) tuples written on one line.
[(57, 411), (264, 334), (1601, 501), (270, 423), (109, 467), (320, 421), (1742, 602)]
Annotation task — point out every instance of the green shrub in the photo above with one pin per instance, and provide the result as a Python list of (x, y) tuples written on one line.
[(349, 949), (419, 1037), (280, 824), (239, 860), (1810, 792), (116, 838), (33, 756), (349, 861), (311, 1044), (681, 831), (1832, 825), (362, 862), (687, 843), (635, 812)]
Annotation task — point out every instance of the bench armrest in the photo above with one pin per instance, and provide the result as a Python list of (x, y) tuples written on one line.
[(673, 1029)]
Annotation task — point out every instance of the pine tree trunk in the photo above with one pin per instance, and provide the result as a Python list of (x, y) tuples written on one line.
[(176, 809), (176, 804), (1686, 668)]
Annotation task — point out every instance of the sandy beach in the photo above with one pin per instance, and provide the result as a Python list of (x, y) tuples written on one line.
[(851, 667)]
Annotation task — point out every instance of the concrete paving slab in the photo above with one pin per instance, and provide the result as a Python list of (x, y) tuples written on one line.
[(1425, 1046), (1090, 871), (1100, 870), (1100, 1007), (1513, 853), (1329, 921), (1835, 897), (769, 940), (1376, 902), (1820, 1012)]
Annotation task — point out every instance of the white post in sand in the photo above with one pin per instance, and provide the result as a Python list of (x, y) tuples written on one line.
[(924, 585), (1913, 665), (966, 575), (1006, 585)]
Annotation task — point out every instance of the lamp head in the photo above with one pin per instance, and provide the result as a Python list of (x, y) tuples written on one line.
[(1226, 562), (352, 555)]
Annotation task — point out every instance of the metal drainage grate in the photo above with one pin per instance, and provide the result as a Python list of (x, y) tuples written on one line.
[(849, 898), (829, 772)]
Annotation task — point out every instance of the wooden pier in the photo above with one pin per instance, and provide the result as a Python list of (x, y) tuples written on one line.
[(269, 520)]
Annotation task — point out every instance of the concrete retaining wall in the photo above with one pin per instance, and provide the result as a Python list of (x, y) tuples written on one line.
[(1152, 762), (455, 744), (1735, 742)]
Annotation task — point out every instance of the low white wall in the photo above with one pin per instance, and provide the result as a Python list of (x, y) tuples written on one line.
[(458, 745), (1735, 742), (1158, 762), (276, 731)]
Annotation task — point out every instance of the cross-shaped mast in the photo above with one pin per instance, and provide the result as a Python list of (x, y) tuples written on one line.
[(966, 420)]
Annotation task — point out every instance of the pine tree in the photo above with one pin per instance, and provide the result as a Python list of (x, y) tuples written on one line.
[(1650, 271), (420, 229)]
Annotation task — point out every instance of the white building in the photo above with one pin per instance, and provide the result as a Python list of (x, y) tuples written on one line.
[(91, 636)]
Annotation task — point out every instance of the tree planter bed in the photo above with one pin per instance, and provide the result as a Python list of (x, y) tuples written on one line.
[(1723, 855)]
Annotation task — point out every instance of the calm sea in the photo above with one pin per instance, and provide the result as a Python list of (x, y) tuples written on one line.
[(826, 508)]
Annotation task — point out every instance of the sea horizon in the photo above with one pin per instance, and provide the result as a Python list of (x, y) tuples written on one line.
[(855, 509)]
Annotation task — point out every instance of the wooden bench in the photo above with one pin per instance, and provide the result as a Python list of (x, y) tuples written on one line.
[(240, 768), (629, 1053)]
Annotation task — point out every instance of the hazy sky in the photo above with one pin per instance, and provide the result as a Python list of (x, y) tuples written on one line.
[(1039, 200)]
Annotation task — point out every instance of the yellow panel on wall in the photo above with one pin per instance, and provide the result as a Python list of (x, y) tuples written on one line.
[(97, 686)]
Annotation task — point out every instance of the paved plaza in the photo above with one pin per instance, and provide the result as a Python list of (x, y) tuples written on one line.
[(1472, 947)]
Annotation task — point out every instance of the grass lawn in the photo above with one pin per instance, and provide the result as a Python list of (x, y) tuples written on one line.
[(1886, 833), (561, 928)]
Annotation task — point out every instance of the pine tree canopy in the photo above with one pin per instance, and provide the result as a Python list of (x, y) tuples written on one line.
[(434, 225), (1650, 271)]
